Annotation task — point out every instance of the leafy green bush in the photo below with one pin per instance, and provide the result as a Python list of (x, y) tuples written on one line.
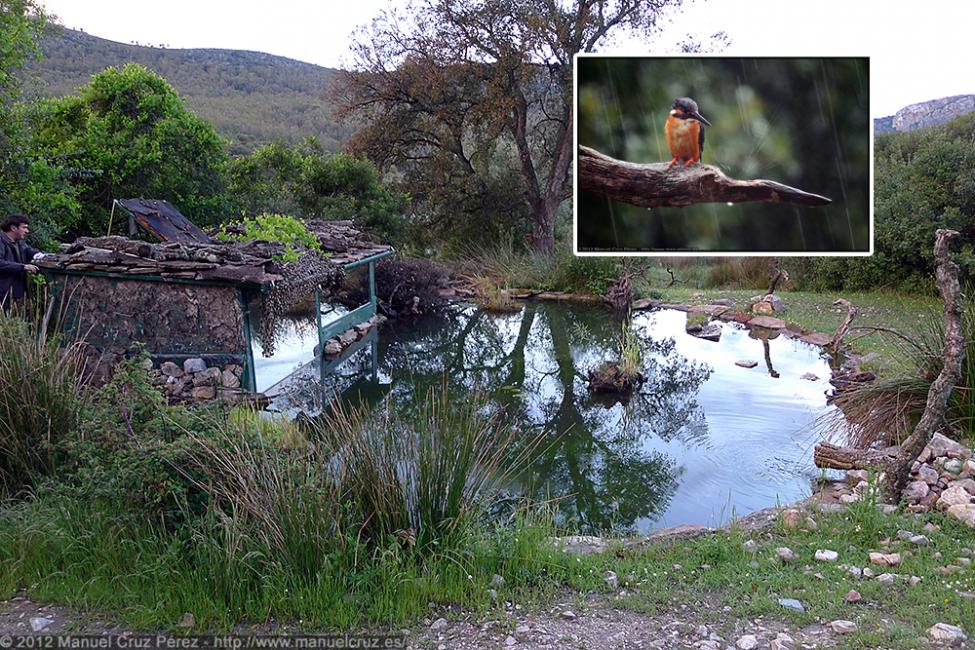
[(280, 228)]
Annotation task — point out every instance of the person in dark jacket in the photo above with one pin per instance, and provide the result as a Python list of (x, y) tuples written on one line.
[(15, 259)]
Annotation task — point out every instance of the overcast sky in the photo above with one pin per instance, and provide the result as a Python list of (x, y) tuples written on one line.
[(916, 55)]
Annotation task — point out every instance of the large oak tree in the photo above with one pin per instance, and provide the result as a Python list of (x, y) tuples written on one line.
[(473, 98)]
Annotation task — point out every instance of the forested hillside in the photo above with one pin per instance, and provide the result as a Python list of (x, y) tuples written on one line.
[(250, 97)]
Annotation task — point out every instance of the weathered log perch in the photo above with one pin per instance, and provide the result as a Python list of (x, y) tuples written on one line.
[(897, 465), (654, 185)]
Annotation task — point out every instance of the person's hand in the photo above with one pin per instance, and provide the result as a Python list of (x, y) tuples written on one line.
[(30, 268)]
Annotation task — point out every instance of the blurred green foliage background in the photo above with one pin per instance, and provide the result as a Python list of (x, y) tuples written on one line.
[(802, 122)]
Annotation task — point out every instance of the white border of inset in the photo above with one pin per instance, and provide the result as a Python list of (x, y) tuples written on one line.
[(690, 253)]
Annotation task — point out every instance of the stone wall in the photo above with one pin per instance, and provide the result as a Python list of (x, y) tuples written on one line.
[(169, 319)]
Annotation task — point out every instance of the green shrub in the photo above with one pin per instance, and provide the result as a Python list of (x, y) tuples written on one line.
[(40, 396), (279, 228)]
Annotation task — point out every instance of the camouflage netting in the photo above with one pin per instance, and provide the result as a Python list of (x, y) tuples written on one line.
[(301, 279)]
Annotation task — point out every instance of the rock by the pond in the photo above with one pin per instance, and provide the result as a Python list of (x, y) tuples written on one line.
[(808, 376), (826, 555), (746, 363), (768, 322), (792, 603), (791, 517), (941, 445), (843, 627), (708, 332), (762, 308), (946, 633)]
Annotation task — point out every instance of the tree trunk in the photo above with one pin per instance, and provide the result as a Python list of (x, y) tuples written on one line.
[(898, 467), (543, 229)]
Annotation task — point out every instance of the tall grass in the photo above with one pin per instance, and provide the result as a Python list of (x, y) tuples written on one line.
[(887, 409), (375, 517), (40, 394)]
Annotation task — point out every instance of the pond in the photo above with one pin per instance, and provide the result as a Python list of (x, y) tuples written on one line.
[(704, 440)]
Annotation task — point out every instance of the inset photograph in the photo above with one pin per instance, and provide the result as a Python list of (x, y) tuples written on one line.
[(720, 155)]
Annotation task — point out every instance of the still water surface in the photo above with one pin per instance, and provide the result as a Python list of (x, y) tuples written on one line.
[(702, 441)]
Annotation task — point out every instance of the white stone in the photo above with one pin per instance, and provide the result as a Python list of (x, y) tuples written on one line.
[(946, 633), (38, 623), (747, 642), (438, 624), (843, 627), (886, 578), (849, 498), (953, 496), (569, 615), (826, 555), (965, 513), (783, 641)]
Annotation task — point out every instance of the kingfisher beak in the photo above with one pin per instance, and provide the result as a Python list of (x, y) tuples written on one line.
[(700, 118)]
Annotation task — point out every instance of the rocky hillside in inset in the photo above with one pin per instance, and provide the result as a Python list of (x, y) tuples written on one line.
[(251, 98), (923, 114)]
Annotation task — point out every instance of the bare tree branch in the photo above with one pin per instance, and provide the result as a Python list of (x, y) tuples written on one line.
[(656, 185)]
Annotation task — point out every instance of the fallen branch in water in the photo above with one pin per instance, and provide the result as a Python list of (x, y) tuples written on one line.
[(656, 185)]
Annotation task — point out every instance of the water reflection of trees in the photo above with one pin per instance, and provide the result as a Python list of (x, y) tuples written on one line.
[(533, 364)]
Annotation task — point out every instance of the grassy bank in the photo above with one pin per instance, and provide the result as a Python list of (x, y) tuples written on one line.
[(88, 557)]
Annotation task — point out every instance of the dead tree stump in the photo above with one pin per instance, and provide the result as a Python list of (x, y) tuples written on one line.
[(898, 466)]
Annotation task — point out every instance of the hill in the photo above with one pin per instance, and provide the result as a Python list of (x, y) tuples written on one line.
[(924, 114), (251, 98)]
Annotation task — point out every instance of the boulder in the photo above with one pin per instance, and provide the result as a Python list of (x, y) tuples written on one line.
[(916, 491), (194, 365), (762, 309), (768, 322), (941, 445), (965, 513), (203, 392), (947, 633), (170, 369), (954, 496)]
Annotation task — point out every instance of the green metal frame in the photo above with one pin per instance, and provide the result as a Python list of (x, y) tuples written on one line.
[(358, 315)]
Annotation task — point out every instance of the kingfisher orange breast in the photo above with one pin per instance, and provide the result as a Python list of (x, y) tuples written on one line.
[(683, 138)]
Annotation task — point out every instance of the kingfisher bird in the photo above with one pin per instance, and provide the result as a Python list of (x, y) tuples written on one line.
[(684, 131)]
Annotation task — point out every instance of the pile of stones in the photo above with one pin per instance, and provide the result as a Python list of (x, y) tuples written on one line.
[(944, 478), (194, 381)]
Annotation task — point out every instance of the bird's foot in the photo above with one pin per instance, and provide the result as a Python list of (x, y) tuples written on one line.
[(672, 163)]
